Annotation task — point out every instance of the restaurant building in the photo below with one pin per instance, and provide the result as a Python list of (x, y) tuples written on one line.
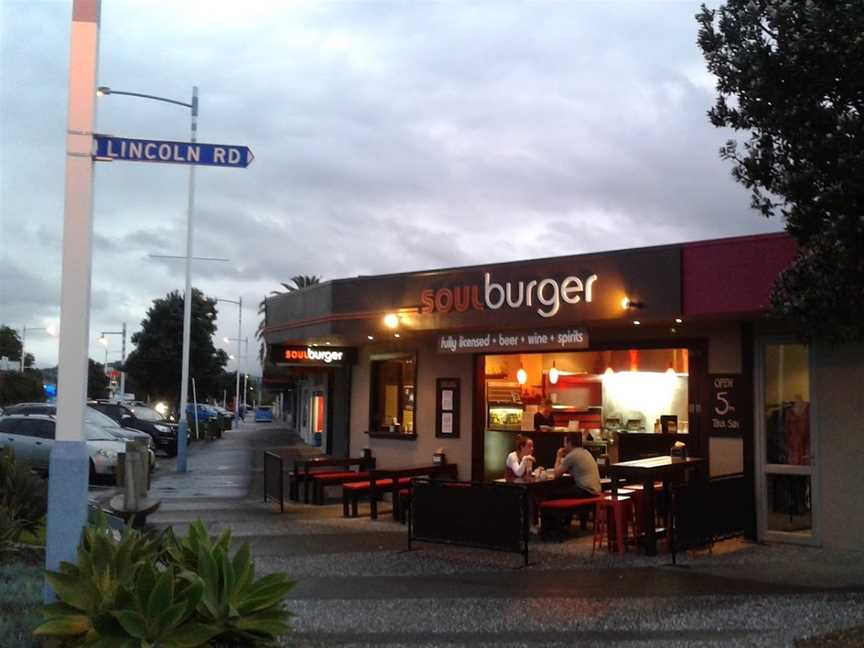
[(637, 349)]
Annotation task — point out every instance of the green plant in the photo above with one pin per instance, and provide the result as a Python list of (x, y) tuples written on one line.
[(244, 609), (139, 591), (23, 499)]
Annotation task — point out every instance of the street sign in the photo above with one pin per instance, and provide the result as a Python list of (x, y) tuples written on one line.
[(137, 150)]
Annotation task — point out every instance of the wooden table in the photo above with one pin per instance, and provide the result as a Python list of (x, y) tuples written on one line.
[(540, 489), (646, 472), (303, 469), (432, 470)]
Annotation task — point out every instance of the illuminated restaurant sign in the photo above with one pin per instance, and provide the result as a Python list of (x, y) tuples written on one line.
[(544, 295), (508, 341), (307, 355)]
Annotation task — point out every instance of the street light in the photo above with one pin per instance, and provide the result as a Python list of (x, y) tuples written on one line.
[(50, 330), (182, 428), (104, 341), (239, 303)]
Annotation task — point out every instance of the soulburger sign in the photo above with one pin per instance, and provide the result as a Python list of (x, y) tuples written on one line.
[(309, 355)]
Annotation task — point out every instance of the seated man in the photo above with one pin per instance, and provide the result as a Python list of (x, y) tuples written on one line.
[(574, 459)]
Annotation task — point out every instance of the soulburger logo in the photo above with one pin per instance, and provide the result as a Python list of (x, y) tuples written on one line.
[(307, 354), (546, 295)]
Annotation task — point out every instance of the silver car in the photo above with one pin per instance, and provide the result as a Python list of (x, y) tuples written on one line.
[(31, 437), (92, 418)]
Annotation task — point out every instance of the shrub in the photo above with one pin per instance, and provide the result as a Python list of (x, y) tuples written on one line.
[(142, 591), (23, 499)]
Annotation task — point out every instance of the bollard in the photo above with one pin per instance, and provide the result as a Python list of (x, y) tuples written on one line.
[(135, 470)]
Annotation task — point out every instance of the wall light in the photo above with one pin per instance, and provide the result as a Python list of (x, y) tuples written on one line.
[(627, 303), (609, 371), (553, 374), (521, 375), (391, 320)]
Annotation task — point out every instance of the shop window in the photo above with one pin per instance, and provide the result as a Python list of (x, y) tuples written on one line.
[(393, 389)]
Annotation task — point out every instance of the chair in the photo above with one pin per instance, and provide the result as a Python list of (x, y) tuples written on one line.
[(621, 508)]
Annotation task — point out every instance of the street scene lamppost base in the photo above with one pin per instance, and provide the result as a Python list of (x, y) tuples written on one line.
[(67, 504)]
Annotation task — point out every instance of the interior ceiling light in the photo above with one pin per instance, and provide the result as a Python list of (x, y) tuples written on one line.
[(678, 320), (671, 370), (625, 303), (396, 335), (609, 371), (371, 337), (636, 322), (391, 320), (522, 375), (553, 374)]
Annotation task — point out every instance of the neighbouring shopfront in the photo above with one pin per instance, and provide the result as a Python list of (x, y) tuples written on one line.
[(634, 349)]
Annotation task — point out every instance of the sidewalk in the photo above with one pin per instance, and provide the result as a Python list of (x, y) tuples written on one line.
[(358, 586)]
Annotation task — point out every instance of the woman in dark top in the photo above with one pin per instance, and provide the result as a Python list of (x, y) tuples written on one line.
[(543, 418)]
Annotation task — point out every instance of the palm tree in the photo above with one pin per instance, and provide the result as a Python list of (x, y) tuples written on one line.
[(298, 282)]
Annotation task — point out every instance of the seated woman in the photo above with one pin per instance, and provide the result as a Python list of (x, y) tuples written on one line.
[(520, 462)]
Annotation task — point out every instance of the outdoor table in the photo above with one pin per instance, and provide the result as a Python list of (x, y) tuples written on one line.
[(304, 469), (432, 470), (646, 472)]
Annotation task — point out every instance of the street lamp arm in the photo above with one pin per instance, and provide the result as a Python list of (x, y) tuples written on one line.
[(106, 91)]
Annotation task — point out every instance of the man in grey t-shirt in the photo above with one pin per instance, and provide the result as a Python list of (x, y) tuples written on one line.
[(576, 460)]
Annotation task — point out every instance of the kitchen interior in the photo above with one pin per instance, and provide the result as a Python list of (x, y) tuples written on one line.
[(625, 403)]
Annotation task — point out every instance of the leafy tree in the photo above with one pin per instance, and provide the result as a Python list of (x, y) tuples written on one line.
[(298, 282), (21, 387), (155, 364), (10, 346), (97, 381), (791, 76)]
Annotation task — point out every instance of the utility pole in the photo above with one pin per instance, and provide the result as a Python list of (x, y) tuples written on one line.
[(69, 463)]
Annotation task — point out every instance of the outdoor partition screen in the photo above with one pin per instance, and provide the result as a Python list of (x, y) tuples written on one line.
[(474, 514)]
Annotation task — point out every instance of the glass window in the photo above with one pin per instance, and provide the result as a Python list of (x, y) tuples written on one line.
[(393, 390), (43, 429), (787, 404), (789, 507), (147, 414)]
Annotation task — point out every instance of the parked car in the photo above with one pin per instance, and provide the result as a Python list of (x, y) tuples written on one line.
[(141, 417), (31, 437), (93, 418), (203, 413)]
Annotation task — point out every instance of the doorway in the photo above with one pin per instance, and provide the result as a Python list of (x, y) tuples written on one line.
[(786, 441)]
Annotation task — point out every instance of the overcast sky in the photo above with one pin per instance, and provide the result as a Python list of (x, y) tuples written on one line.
[(388, 136)]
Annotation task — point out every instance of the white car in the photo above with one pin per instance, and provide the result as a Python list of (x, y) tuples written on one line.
[(31, 437)]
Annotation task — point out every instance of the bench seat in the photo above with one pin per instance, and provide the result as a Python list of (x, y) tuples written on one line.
[(554, 514), (296, 477), (353, 491), (321, 480)]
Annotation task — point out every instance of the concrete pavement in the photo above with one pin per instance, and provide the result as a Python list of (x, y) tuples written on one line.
[(358, 586)]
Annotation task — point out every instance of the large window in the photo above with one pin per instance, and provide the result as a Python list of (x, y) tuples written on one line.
[(393, 389)]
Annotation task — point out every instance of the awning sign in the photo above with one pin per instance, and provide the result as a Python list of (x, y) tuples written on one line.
[(511, 341)]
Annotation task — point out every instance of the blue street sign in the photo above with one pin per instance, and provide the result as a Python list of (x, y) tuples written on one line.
[(137, 150)]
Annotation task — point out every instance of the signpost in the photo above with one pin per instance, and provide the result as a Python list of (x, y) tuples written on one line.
[(192, 153), (110, 148)]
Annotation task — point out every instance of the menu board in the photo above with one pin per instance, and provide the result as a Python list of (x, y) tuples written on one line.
[(726, 401), (447, 408)]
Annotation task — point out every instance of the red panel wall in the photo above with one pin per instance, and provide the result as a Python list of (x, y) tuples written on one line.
[(733, 275)]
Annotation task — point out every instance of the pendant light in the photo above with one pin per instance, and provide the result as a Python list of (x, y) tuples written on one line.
[(521, 375), (553, 374)]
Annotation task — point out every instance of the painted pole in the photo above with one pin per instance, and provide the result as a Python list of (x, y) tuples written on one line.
[(183, 427), (69, 464), (123, 365), (237, 385)]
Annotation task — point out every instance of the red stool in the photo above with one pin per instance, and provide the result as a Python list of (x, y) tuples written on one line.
[(637, 493), (622, 516)]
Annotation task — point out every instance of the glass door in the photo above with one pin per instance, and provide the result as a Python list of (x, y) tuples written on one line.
[(786, 442)]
